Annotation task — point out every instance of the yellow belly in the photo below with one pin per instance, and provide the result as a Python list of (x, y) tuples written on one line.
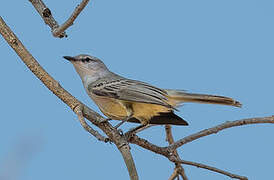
[(110, 107), (144, 112), (115, 109)]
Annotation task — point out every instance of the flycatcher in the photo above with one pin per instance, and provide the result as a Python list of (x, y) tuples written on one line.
[(124, 99)]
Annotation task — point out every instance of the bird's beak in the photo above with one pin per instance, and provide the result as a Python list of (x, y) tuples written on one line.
[(69, 58)]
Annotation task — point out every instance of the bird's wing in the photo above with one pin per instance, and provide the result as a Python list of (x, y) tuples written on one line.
[(131, 90)]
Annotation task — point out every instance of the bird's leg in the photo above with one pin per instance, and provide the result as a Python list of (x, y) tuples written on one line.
[(135, 129), (138, 129), (106, 120), (123, 121), (120, 123)]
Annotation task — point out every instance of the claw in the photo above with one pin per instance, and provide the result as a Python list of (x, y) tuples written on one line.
[(120, 132)]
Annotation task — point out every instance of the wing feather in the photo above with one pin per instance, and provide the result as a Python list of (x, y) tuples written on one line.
[(131, 90)]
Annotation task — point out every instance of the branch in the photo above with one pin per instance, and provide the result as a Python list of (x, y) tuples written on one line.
[(167, 151), (199, 165), (173, 175), (46, 15), (134, 139), (99, 121), (168, 154), (178, 168), (67, 98), (218, 128), (125, 151), (79, 112), (56, 32)]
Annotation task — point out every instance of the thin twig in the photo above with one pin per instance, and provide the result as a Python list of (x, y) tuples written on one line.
[(79, 112), (56, 32), (178, 167), (220, 127), (199, 165)]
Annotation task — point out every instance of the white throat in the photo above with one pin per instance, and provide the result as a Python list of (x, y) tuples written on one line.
[(87, 79), (90, 74)]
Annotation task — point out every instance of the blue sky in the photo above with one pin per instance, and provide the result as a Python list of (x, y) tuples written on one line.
[(216, 47)]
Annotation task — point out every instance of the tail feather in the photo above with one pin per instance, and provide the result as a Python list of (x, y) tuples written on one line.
[(177, 97), (164, 118)]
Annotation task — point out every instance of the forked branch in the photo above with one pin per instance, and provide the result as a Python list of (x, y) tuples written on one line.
[(71, 19), (79, 112), (169, 150), (46, 15), (179, 170)]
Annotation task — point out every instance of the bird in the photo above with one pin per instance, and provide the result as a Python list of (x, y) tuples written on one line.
[(128, 100)]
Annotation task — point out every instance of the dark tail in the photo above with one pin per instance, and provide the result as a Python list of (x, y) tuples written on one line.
[(164, 118)]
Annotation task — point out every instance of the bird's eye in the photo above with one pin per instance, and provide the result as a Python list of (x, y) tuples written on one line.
[(86, 59)]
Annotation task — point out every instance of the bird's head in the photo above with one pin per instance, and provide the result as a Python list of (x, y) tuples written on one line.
[(87, 65)]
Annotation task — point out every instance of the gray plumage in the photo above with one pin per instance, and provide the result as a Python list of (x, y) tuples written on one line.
[(131, 100), (115, 86)]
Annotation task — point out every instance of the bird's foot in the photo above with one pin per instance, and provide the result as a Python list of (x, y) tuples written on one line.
[(120, 131), (106, 120)]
